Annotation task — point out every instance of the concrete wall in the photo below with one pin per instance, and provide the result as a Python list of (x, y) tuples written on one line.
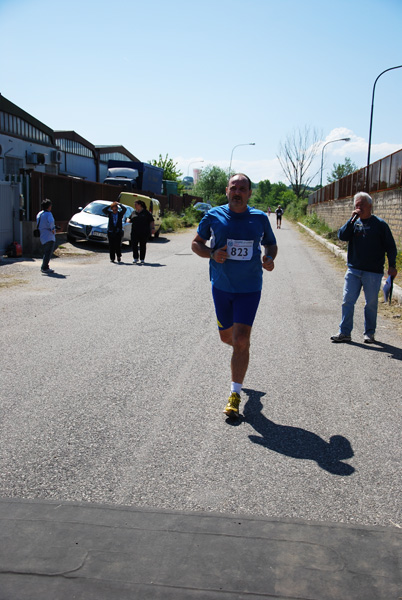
[(386, 205)]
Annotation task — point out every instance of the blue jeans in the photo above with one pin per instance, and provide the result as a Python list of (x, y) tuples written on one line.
[(47, 253), (355, 280)]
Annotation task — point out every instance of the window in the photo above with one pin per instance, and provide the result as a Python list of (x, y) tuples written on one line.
[(114, 156), (12, 165)]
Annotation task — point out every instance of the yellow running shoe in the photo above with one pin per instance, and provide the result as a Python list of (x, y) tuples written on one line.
[(232, 407)]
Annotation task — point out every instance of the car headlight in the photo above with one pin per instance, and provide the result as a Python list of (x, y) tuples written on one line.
[(75, 224)]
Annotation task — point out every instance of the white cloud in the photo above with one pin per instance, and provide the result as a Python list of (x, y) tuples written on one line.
[(258, 170), (357, 145)]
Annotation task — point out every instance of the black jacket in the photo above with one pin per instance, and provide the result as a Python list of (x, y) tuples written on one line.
[(112, 228)]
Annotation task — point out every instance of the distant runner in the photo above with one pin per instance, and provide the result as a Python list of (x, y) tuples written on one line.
[(279, 213)]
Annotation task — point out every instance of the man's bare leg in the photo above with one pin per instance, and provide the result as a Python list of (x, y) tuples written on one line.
[(237, 336)]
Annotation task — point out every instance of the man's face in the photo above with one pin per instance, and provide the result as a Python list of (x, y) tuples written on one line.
[(363, 208), (238, 193)]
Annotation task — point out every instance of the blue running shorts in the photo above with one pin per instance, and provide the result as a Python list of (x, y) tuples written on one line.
[(231, 307)]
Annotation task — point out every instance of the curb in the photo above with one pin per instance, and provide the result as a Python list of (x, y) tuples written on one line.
[(396, 292)]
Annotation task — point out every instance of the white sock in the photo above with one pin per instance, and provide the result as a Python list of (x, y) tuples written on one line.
[(236, 387)]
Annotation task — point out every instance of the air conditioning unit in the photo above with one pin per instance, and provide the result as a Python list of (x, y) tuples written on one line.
[(32, 158), (55, 156)]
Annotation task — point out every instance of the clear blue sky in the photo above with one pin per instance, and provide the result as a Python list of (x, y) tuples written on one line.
[(194, 79)]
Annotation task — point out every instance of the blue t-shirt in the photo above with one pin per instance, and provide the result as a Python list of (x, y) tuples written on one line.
[(243, 233), (46, 223)]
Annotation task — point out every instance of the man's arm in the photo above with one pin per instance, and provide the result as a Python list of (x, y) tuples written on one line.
[(391, 250), (270, 253), (345, 233), (199, 247)]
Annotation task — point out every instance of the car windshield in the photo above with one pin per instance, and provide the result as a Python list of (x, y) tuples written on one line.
[(95, 208)]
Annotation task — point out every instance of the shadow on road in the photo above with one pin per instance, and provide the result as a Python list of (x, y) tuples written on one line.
[(296, 442), (55, 275), (394, 351)]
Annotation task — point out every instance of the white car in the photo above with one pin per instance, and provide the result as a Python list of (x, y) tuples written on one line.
[(91, 224)]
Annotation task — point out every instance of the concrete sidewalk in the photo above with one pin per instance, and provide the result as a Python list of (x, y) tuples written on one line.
[(65, 551)]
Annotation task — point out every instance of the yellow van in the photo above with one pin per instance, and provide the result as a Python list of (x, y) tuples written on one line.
[(152, 205)]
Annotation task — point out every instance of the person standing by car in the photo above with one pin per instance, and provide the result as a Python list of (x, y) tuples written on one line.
[(47, 229), (143, 226), (237, 233), (115, 213)]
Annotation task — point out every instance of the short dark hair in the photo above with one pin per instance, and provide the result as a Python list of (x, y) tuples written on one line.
[(241, 175), (46, 204), (141, 203)]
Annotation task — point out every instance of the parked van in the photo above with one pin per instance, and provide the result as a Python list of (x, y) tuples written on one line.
[(152, 205)]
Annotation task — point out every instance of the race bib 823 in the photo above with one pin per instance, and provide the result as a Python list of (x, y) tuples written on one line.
[(240, 249)]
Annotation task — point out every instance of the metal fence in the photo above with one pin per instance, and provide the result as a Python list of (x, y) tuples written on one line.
[(385, 174)]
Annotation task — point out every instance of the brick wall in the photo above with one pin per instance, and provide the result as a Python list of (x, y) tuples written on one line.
[(387, 205)]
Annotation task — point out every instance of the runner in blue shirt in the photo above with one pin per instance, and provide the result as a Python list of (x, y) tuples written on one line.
[(236, 233)]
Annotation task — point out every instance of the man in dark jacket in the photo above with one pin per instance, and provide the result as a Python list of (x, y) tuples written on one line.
[(115, 213), (369, 239)]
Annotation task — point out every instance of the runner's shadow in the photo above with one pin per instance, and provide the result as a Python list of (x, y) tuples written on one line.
[(296, 442)]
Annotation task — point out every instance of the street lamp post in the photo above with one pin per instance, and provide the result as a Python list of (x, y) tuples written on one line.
[(322, 153), (231, 156), (192, 163), (371, 123)]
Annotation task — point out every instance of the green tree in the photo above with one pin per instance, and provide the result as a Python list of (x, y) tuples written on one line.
[(170, 169), (276, 194), (259, 199), (341, 170), (211, 185)]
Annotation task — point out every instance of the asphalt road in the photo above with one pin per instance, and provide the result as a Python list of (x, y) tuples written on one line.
[(114, 381)]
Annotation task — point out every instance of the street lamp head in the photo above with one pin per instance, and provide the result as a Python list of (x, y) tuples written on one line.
[(347, 139), (193, 163), (231, 156)]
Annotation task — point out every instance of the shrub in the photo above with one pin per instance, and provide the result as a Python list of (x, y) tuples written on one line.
[(191, 217), (170, 221), (296, 210), (318, 225)]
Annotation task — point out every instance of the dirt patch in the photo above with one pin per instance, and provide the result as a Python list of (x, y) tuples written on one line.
[(392, 312), (66, 248), (8, 281)]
